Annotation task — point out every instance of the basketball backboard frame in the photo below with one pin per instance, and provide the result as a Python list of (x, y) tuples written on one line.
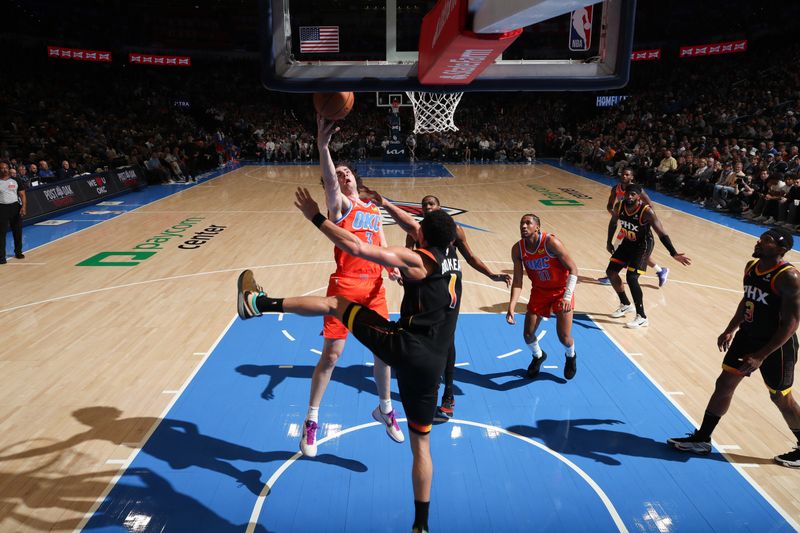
[(397, 71)]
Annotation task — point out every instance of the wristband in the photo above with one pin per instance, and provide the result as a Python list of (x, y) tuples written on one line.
[(318, 219), (572, 280), (665, 240)]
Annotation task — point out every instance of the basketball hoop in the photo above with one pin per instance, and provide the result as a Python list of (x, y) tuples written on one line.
[(434, 112)]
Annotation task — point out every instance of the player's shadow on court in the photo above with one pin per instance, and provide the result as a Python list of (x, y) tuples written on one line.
[(357, 376), (144, 501), (178, 443), (573, 437), (488, 381)]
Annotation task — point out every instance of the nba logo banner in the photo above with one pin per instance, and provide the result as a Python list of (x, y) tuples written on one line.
[(580, 29)]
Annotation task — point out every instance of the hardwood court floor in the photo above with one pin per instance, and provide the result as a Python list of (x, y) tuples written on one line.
[(93, 356)]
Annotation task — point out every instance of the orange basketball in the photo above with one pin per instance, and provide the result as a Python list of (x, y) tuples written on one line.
[(333, 106)]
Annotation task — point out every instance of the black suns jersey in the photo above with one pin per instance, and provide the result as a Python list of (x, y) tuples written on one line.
[(762, 302), (631, 221), (432, 303)]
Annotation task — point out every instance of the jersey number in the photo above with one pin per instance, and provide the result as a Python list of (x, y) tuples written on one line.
[(452, 289), (749, 310), (369, 237), (630, 235), (544, 275)]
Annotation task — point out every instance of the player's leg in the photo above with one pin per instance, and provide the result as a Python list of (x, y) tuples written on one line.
[(778, 373), (421, 478), (564, 330), (700, 440), (661, 272), (331, 351), (373, 296), (632, 277), (637, 265), (616, 264), (532, 320), (620, 236), (447, 408)]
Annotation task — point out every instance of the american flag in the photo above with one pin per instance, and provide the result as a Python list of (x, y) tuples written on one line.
[(315, 39)]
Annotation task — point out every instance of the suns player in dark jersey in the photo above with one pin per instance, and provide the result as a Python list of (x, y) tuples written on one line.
[(766, 320), (553, 276), (617, 195), (428, 204), (415, 346), (356, 279), (636, 218)]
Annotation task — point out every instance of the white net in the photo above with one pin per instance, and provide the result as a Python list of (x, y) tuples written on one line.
[(434, 111)]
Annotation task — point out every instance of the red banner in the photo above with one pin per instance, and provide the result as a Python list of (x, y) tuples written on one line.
[(646, 55), (164, 61), (701, 50), (79, 54)]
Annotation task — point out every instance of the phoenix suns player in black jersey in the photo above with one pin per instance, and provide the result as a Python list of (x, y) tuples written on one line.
[(431, 203), (767, 319), (636, 219), (415, 346)]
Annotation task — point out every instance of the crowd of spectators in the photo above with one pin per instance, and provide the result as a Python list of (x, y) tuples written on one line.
[(723, 134)]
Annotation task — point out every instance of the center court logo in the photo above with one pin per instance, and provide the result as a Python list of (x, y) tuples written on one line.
[(147, 249), (415, 210)]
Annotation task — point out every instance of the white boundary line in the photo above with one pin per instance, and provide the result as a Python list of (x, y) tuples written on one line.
[(666, 395), (126, 464), (259, 504)]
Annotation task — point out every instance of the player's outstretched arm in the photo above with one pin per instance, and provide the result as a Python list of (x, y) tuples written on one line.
[(474, 261), (516, 284), (393, 256), (612, 228), (403, 219), (665, 240)]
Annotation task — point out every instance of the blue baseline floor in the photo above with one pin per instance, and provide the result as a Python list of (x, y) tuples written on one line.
[(238, 421)]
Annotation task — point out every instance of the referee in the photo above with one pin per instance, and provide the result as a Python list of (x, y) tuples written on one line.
[(12, 209)]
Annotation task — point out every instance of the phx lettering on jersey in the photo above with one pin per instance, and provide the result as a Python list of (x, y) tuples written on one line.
[(755, 294)]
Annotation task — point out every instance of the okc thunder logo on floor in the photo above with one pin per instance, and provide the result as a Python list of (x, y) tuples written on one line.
[(415, 210)]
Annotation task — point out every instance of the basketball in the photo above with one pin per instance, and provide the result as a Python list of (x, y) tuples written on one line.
[(333, 106)]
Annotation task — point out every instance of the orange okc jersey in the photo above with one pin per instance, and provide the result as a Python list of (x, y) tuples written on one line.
[(363, 221), (544, 270)]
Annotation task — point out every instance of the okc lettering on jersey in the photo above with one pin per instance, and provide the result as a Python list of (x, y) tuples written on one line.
[(755, 294), (367, 221), (542, 263)]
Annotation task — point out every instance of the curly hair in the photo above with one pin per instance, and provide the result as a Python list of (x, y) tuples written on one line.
[(439, 229)]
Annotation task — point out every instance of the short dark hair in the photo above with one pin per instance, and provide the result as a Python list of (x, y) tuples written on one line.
[(438, 228), (534, 217), (431, 196), (634, 187)]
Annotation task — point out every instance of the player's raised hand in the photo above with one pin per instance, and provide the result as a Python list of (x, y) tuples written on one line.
[(682, 259), (305, 203), (325, 129)]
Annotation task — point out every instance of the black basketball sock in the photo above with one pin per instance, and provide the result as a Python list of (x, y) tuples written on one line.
[(421, 515), (623, 298), (636, 293), (710, 422), (265, 304)]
